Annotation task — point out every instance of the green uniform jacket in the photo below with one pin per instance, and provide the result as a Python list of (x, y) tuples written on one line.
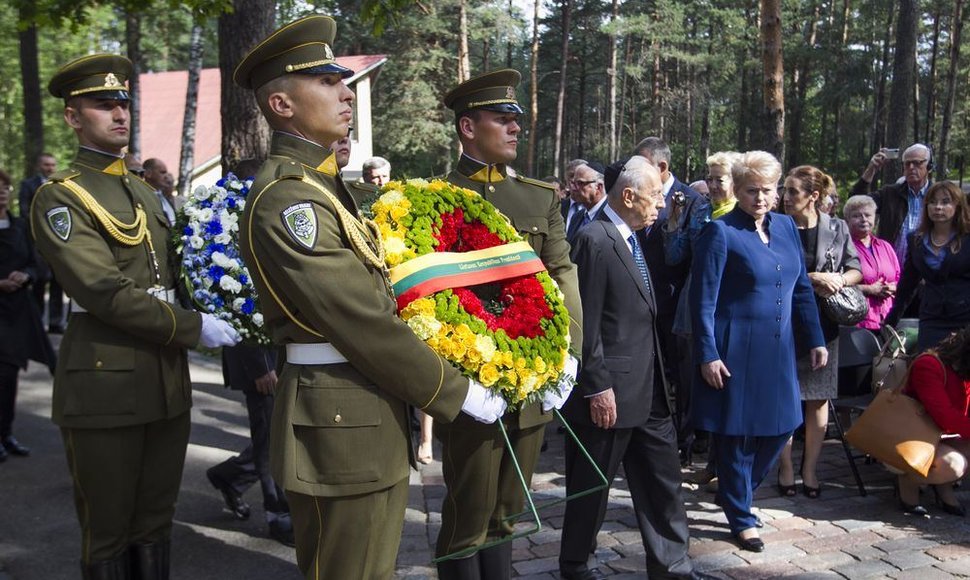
[(123, 362), (534, 210), (338, 429)]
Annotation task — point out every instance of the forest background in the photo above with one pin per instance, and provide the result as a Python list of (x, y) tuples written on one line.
[(822, 82)]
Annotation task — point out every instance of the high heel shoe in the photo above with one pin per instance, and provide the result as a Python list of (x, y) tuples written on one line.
[(909, 509), (953, 510), (809, 491), (785, 490)]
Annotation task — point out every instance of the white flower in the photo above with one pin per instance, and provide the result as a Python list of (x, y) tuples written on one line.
[(224, 261), (237, 304), (258, 319), (424, 326), (392, 197), (230, 284), (223, 238), (200, 193), (485, 345), (196, 242)]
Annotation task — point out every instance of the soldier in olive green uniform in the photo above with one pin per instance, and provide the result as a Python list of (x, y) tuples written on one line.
[(483, 488), (121, 392), (341, 447)]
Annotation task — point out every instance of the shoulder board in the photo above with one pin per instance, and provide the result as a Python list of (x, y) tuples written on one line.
[(531, 181), (361, 186), (289, 169), (63, 175)]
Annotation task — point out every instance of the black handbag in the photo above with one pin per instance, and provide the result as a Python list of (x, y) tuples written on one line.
[(846, 307)]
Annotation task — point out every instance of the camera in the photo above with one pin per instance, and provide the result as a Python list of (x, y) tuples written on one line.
[(680, 199), (892, 153)]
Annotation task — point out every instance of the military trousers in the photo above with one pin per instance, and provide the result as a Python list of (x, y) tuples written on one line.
[(483, 488), (126, 482), (349, 537)]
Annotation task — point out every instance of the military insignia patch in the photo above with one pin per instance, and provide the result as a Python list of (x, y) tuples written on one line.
[(301, 223), (110, 80), (59, 220)]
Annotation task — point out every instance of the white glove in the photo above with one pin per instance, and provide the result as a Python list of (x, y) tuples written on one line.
[(216, 332), (556, 398), (482, 404)]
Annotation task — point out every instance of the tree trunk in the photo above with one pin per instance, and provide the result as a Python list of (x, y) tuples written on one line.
[(508, 46), (880, 109), (30, 83), (133, 47), (928, 132), (464, 65), (904, 64), (627, 54), (187, 157), (611, 74), (774, 81), (801, 77), (656, 122), (956, 23), (245, 134), (561, 100), (533, 93)]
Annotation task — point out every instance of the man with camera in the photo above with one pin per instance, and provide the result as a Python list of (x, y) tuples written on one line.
[(899, 203)]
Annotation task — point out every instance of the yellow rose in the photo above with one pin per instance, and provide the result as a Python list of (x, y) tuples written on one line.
[(485, 345), (520, 364), (423, 326), (539, 365), (398, 212), (488, 375), (511, 377)]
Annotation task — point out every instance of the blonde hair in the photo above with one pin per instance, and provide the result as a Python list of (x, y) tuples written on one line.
[(755, 164), (723, 159)]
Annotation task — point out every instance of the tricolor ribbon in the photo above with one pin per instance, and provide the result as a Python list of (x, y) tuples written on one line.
[(439, 271)]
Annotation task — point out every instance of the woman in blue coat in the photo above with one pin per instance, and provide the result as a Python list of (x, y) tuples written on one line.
[(749, 285)]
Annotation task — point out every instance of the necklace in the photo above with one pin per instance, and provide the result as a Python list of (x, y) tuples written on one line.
[(936, 244)]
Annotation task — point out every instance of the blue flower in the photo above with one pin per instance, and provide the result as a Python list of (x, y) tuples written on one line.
[(214, 227), (243, 279), (248, 306), (187, 231), (217, 247), (217, 302), (231, 202), (222, 182), (216, 272)]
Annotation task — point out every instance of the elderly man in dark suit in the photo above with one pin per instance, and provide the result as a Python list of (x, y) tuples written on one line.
[(619, 408), (680, 202), (46, 165)]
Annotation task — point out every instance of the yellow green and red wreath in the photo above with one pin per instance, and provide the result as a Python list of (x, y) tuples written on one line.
[(469, 286)]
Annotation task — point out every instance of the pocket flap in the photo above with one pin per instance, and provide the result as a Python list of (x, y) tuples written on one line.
[(94, 356), (617, 364), (532, 225), (336, 407)]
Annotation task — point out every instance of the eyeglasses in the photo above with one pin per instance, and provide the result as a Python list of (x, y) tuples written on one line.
[(583, 182), (914, 162)]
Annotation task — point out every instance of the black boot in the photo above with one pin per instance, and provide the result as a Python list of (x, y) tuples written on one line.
[(150, 561), (496, 562), (460, 569), (116, 568)]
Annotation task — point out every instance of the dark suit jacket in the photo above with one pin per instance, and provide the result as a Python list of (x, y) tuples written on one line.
[(834, 239), (244, 363), (28, 188), (892, 203), (668, 280), (620, 348), (945, 295)]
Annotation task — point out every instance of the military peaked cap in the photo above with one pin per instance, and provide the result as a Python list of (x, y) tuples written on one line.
[(101, 76), (493, 91), (302, 46)]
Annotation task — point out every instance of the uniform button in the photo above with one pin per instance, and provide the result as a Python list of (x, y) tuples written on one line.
[(98, 364), (777, 335), (777, 284), (778, 302), (337, 418), (778, 267), (535, 228), (125, 179), (778, 319), (491, 189)]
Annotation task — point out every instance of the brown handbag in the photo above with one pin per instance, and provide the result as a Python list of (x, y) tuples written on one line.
[(890, 365), (896, 430)]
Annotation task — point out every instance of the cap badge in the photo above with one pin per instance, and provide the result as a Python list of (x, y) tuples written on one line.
[(111, 81), (327, 52), (510, 93)]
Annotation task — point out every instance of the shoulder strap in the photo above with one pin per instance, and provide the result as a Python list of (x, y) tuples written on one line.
[(535, 182), (358, 231)]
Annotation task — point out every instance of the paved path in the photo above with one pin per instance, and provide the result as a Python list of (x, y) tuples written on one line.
[(840, 535)]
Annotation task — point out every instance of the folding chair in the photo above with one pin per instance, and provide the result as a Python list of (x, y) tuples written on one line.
[(857, 347)]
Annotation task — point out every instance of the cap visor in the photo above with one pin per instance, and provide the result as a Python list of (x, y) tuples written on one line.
[(331, 68), (108, 95), (504, 108)]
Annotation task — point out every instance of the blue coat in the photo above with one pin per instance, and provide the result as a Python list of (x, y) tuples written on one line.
[(744, 296)]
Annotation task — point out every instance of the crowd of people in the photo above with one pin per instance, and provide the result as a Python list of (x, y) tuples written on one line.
[(677, 296)]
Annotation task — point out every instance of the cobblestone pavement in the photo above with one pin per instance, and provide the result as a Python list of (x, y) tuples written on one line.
[(839, 535)]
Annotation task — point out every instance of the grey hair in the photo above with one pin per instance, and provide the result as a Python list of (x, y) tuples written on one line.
[(919, 147), (654, 149), (375, 163), (857, 202), (634, 175)]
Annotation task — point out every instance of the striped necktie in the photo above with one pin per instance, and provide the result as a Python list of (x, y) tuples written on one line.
[(580, 219), (638, 258)]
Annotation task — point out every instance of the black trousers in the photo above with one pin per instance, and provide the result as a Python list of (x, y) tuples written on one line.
[(55, 313), (8, 396), (648, 453), (252, 464)]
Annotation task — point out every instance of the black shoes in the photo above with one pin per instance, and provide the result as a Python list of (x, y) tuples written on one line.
[(55, 329), (14, 447), (234, 501), (3, 454), (751, 544), (584, 574), (281, 530), (952, 509)]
